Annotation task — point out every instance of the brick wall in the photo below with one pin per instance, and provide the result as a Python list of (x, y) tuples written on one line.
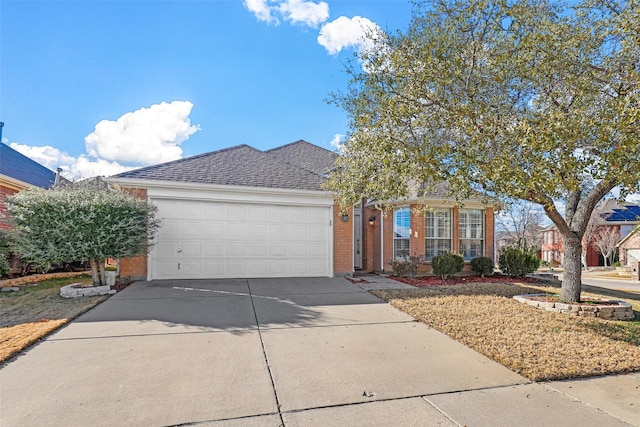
[(417, 239), (4, 193), (342, 243), (135, 268)]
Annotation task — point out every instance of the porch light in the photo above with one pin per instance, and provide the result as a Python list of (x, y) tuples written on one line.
[(372, 220), (345, 218)]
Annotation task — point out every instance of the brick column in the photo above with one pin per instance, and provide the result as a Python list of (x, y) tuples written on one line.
[(635, 271)]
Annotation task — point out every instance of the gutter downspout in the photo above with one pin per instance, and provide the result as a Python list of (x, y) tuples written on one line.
[(381, 237)]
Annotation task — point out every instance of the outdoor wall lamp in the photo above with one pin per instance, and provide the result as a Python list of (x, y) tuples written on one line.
[(372, 220), (345, 217)]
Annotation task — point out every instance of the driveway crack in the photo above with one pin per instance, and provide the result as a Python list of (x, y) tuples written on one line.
[(264, 354)]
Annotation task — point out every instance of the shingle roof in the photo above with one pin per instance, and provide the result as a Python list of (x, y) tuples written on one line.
[(240, 165), (307, 156), (22, 168)]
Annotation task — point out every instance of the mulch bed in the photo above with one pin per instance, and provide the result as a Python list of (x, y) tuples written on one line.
[(459, 280)]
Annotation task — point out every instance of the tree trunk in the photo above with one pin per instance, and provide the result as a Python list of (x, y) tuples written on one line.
[(572, 271), (95, 272), (585, 265), (101, 269)]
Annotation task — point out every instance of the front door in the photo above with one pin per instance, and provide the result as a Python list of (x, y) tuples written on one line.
[(357, 238)]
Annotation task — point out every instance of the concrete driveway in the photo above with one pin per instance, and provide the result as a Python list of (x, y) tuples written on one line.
[(268, 352)]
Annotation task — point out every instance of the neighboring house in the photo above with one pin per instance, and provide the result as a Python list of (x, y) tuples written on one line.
[(241, 212), (629, 248), (623, 218), (552, 248), (17, 173)]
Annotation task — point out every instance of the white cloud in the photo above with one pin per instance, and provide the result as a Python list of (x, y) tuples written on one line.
[(146, 136), (346, 32), (47, 156), (336, 142), (262, 10), (304, 12), (83, 167)]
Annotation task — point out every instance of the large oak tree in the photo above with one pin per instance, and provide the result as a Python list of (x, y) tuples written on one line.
[(531, 100)]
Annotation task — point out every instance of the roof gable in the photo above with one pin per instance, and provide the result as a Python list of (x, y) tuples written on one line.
[(307, 156), (18, 166), (241, 165)]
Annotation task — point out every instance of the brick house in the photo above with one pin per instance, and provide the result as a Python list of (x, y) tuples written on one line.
[(623, 218), (242, 212), (405, 229), (17, 173), (552, 249), (629, 248)]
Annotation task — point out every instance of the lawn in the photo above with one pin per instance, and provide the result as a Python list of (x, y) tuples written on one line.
[(537, 344), (37, 310)]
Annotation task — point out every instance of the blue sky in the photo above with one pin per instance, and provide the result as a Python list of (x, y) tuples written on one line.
[(99, 86)]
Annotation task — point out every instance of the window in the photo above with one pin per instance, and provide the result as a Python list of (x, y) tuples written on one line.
[(437, 232), (471, 233), (401, 233)]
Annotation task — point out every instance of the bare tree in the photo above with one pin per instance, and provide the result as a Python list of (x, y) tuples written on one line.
[(520, 222), (587, 239), (605, 240)]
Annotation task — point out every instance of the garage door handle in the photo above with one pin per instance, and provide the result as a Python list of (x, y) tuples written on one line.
[(179, 250)]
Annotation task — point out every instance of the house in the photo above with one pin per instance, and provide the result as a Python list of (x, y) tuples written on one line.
[(552, 248), (629, 248), (242, 212), (405, 229), (17, 173), (622, 218)]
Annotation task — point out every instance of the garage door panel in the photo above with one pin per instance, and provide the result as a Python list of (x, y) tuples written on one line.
[(212, 250), (191, 269), (216, 230), (190, 229), (236, 250), (194, 210), (215, 211), (237, 212), (213, 269), (219, 239), (278, 232), (191, 249), (259, 250), (258, 268)]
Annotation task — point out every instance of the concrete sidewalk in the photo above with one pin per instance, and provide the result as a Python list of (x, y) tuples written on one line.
[(271, 352)]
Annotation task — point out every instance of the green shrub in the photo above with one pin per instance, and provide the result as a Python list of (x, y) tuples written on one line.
[(447, 264), (6, 242), (406, 265), (482, 265), (518, 260)]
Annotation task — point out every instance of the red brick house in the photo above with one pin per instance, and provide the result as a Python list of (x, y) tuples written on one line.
[(629, 248), (623, 218), (241, 212), (17, 173), (552, 250)]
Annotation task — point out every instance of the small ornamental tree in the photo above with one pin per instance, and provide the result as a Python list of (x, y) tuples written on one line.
[(81, 222)]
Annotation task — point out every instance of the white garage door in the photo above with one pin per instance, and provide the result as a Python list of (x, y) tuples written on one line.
[(206, 239)]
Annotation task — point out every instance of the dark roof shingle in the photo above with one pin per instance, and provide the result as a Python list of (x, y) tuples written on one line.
[(18, 166), (240, 165), (307, 156)]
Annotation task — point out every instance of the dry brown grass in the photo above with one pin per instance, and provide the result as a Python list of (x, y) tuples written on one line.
[(537, 344), (36, 311)]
